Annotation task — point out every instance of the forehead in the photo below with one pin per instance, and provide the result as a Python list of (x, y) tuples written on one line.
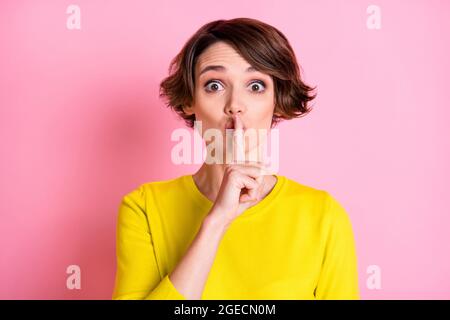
[(223, 54)]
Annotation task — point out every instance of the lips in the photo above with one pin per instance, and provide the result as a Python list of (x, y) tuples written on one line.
[(229, 125)]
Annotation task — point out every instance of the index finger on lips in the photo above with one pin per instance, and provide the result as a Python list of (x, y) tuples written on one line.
[(238, 140)]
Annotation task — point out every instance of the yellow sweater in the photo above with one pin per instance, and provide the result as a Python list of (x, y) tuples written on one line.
[(296, 243)]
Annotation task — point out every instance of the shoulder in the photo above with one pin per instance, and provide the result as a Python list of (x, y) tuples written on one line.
[(305, 194), (322, 214), (294, 187), (143, 189), (322, 203), (145, 192)]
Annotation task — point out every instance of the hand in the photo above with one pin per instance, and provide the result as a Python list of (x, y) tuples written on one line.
[(242, 183)]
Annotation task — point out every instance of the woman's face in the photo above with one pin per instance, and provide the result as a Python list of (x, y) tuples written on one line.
[(226, 84)]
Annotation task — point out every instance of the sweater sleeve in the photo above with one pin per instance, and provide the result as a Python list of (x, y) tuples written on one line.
[(338, 278), (137, 274)]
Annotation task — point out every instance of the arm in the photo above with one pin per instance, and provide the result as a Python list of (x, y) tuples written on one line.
[(191, 273), (339, 274), (137, 274), (137, 268)]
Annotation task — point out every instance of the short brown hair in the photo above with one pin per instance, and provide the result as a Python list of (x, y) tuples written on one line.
[(262, 45)]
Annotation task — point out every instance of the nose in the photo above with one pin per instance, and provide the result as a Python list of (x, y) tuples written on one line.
[(234, 105)]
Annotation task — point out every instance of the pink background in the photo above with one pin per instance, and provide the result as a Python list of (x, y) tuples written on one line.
[(81, 124)]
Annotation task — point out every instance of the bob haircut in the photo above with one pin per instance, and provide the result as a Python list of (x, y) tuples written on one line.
[(263, 46)]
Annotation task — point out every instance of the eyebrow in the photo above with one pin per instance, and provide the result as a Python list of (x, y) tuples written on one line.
[(222, 69)]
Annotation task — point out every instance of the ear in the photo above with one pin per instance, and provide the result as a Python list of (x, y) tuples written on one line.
[(188, 110), (277, 114)]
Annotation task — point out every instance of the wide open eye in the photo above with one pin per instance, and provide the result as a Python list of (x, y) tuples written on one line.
[(258, 84), (212, 86)]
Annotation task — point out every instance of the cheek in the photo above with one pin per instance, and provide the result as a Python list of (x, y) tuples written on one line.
[(204, 105), (209, 114), (206, 100), (264, 109), (208, 109), (264, 102)]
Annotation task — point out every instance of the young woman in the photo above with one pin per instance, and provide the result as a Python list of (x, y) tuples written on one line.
[(230, 230)]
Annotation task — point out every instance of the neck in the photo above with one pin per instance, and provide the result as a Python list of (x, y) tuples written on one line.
[(209, 178)]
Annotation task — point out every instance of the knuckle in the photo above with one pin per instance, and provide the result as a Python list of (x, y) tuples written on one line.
[(233, 174), (229, 169)]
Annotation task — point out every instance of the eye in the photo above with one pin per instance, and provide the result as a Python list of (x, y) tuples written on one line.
[(256, 84), (214, 85)]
